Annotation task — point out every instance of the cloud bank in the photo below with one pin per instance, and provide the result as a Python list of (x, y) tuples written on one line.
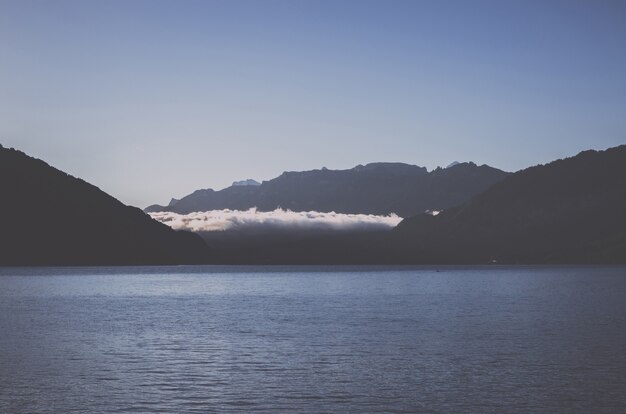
[(222, 220)]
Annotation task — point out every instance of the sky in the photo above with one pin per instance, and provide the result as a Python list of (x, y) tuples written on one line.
[(154, 99)]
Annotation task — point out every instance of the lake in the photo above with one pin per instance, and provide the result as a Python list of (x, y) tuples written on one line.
[(313, 339)]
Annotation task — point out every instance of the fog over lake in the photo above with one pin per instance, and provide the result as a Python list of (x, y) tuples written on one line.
[(279, 219)]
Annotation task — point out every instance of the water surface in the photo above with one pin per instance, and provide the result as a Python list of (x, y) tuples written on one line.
[(313, 339)]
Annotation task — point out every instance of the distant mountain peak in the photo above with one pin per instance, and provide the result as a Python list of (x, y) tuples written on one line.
[(452, 164), (247, 182)]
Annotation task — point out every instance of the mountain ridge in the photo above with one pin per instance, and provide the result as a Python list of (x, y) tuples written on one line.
[(54, 218), (374, 188), (571, 210), (568, 210)]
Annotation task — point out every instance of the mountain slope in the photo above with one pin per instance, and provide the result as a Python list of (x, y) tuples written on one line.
[(51, 218), (568, 211), (378, 188)]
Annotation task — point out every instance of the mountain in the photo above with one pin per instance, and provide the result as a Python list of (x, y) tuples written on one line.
[(249, 181), (568, 211), (52, 218), (377, 188)]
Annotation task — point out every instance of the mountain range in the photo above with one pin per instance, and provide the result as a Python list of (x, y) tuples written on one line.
[(568, 211), (377, 188)]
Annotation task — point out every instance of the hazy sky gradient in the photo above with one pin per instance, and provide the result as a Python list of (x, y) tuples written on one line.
[(153, 99)]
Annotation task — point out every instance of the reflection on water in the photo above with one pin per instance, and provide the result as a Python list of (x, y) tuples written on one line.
[(305, 339)]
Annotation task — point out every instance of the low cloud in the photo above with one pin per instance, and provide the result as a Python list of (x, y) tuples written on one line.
[(222, 220)]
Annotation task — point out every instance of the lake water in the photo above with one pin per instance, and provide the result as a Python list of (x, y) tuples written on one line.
[(313, 339)]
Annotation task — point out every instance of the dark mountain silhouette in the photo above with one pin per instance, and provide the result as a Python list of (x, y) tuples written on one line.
[(51, 218), (568, 211), (378, 188)]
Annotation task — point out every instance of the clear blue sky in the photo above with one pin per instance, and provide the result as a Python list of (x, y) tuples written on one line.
[(153, 99)]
